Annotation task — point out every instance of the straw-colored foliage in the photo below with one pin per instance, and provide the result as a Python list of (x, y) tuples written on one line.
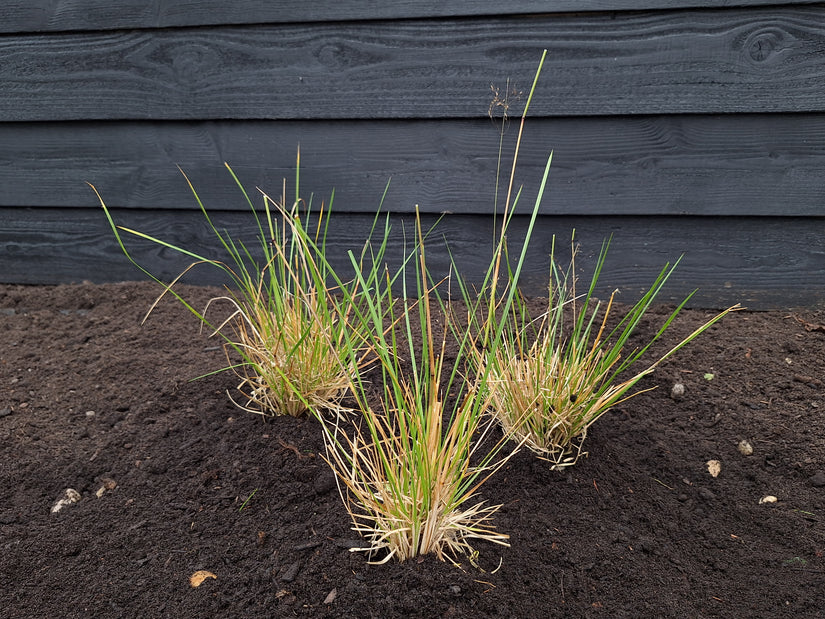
[(292, 361), (409, 486)]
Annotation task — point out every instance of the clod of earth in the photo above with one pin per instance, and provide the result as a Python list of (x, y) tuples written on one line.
[(817, 480)]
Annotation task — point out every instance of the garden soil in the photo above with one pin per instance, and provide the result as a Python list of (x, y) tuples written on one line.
[(177, 487)]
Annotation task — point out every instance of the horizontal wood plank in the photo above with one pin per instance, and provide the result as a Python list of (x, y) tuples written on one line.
[(703, 61), (744, 165), (761, 263), (63, 15)]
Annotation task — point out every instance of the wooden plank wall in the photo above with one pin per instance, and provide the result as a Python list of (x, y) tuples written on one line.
[(676, 126)]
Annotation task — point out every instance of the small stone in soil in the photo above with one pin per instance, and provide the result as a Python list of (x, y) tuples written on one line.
[(745, 448), (70, 496), (677, 392), (108, 484)]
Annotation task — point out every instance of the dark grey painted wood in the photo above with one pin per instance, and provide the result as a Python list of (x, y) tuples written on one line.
[(745, 165), (58, 15), (656, 109), (763, 263), (703, 61)]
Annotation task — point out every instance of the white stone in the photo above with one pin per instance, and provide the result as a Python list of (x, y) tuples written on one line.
[(70, 496)]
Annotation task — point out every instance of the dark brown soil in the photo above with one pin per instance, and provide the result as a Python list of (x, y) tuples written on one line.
[(91, 400)]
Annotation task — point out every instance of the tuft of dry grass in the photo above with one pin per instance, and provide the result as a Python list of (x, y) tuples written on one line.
[(549, 383), (287, 328), (409, 486), (291, 356), (410, 474)]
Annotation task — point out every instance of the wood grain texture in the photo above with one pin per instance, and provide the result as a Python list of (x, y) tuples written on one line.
[(701, 61), (744, 165), (63, 15), (763, 263)]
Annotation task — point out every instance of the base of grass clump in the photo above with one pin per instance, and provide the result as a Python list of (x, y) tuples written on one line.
[(409, 487), (292, 364)]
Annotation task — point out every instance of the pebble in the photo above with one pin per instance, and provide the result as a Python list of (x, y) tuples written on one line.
[(5, 412), (70, 496), (677, 392), (745, 448), (817, 480), (768, 499), (107, 484)]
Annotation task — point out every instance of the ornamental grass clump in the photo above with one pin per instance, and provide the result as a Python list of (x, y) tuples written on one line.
[(551, 378), (285, 328), (411, 472)]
